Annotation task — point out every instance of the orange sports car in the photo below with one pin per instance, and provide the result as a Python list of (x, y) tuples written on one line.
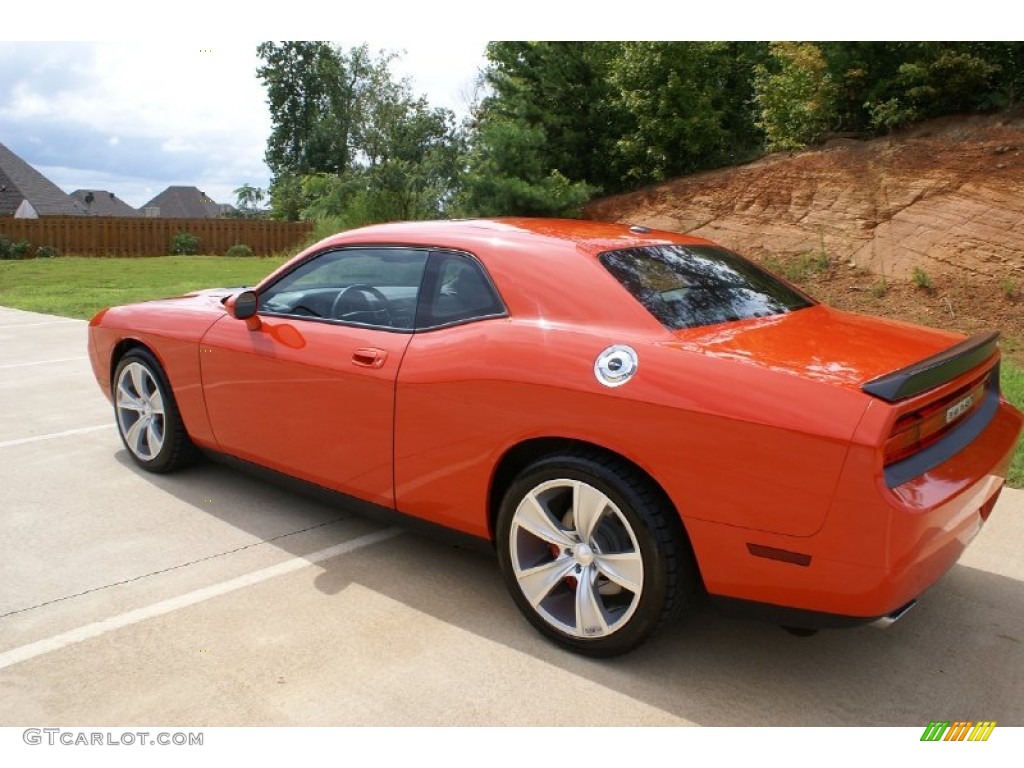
[(623, 414)]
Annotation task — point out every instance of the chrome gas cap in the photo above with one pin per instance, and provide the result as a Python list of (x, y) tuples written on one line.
[(616, 365)]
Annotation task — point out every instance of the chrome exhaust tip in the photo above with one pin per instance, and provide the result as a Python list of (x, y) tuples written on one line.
[(892, 618)]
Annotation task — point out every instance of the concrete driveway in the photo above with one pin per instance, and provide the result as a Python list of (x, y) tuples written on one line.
[(211, 598)]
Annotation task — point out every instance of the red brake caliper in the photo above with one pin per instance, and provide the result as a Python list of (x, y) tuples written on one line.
[(570, 580)]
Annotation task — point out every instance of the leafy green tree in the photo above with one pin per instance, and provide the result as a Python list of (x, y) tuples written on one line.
[(562, 89), (509, 174), (540, 141), (561, 121), (410, 175), (1007, 81), (565, 120), (686, 105), (795, 94), (864, 74), (287, 199), (412, 153), (417, 179), (350, 141), (305, 84), (883, 85), (944, 81), (249, 202)]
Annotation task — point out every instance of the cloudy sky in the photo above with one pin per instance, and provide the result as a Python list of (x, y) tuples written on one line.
[(134, 118)]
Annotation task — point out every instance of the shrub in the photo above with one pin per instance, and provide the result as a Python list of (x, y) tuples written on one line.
[(1009, 289), (799, 268), (10, 249), (46, 252), (922, 280), (184, 244), (239, 249), (890, 114), (325, 227)]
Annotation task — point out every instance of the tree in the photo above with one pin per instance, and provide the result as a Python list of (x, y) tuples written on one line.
[(553, 123), (687, 106), (350, 141), (305, 83), (1007, 81), (540, 140), (411, 152), (795, 94), (249, 201), (566, 120), (883, 85), (944, 81), (509, 173)]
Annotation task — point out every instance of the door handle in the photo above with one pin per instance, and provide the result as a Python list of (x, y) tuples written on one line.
[(369, 357)]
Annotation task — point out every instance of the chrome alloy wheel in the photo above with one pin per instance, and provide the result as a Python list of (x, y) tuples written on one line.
[(140, 411), (576, 558)]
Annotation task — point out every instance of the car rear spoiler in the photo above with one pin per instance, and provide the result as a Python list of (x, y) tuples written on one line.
[(935, 370)]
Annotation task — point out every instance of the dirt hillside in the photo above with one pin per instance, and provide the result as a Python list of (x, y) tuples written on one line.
[(927, 224)]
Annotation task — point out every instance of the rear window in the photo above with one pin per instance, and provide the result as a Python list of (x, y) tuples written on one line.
[(685, 286)]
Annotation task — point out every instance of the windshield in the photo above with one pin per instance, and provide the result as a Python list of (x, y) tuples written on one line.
[(685, 286)]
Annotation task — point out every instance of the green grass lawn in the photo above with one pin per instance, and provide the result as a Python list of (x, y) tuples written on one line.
[(1012, 381), (76, 287)]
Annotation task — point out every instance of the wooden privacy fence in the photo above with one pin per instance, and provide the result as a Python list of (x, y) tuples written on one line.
[(108, 236)]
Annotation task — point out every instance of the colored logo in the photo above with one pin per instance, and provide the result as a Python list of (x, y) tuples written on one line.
[(960, 730)]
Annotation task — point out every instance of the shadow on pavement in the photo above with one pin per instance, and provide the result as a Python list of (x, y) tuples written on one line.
[(957, 655)]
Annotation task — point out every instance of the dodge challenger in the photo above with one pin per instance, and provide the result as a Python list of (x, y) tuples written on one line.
[(624, 415)]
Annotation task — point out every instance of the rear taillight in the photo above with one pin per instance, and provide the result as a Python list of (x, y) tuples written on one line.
[(915, 431)]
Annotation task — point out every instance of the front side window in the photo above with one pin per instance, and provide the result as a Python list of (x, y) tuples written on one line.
[(376, 287), (686, 286)]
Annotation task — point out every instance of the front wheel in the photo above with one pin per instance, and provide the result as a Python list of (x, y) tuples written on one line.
[(147, 415), (593, 555)]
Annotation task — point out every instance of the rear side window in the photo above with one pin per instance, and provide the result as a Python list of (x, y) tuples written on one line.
[(686, 286), (456, 290)]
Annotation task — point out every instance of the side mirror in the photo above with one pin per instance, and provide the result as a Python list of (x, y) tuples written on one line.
[(243, 306)]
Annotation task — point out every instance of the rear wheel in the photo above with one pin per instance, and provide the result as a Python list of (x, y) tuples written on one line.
[(593, 555), (147, 414)]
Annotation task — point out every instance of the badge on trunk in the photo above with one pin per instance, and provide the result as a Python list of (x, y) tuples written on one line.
[(956, 411)]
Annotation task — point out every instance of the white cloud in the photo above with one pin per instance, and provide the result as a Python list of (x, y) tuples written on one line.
[(184, 103), (444, 71), (151, 114), (177, 144), (26, 104)]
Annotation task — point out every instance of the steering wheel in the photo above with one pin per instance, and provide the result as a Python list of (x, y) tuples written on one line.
[(339, 312)]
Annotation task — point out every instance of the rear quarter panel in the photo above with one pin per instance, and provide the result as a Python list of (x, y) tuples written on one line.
[(729, 442)]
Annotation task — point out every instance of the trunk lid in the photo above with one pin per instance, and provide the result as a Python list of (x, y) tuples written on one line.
[(822, 344)]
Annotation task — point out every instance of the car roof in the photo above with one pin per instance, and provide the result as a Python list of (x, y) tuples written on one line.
[(591, 237)]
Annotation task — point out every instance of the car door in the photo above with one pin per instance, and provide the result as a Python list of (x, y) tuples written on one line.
[(452, 403), (311, 391)]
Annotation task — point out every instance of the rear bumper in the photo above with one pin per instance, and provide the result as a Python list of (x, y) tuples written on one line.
[(879, 548)]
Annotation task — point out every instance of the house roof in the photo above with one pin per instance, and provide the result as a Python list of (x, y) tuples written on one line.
[(100, 202), (184, 203), (19, 181)]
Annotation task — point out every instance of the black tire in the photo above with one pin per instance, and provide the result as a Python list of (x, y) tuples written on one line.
[(147, 416), (637, 532)]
